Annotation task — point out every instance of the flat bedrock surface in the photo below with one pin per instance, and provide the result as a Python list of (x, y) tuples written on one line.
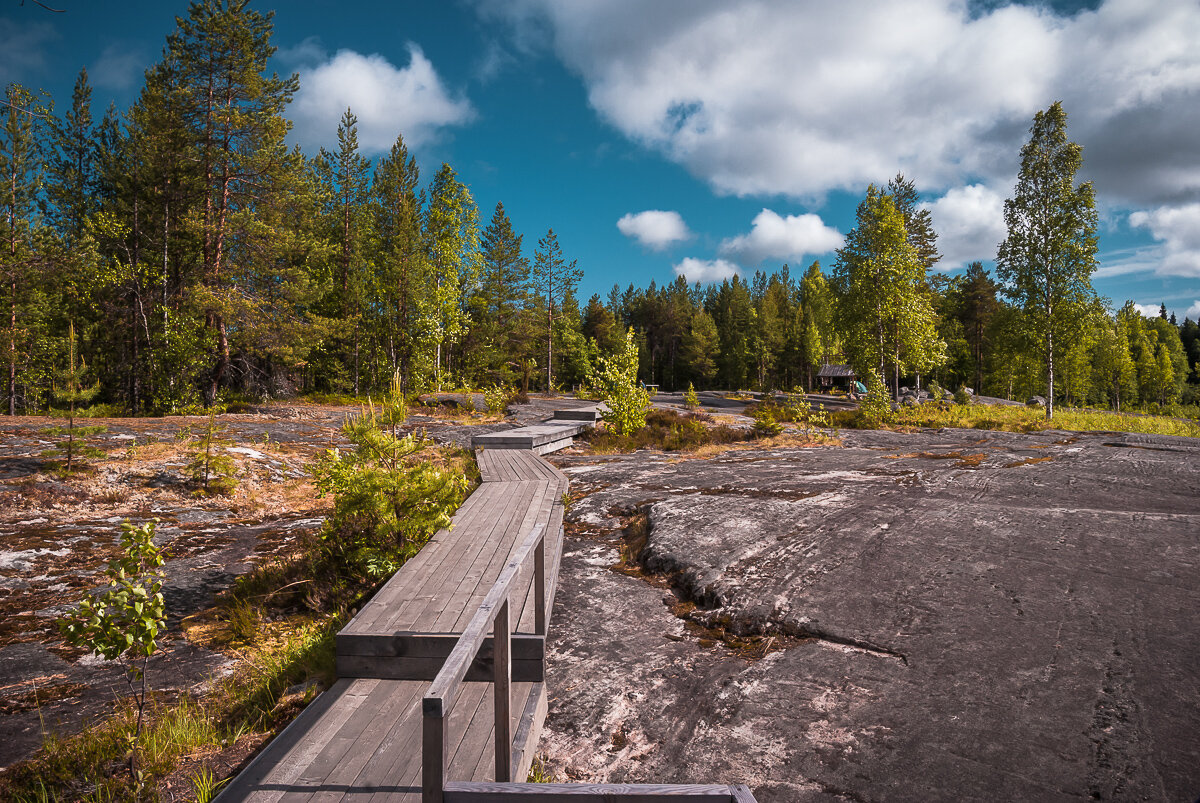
[(965, 615)]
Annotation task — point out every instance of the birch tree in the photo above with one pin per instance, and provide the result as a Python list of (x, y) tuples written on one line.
[(1047, 259)]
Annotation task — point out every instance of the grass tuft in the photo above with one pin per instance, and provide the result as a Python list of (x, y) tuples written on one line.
[(1005, 418)]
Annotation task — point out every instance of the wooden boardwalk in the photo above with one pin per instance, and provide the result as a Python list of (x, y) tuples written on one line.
[(362, 741)]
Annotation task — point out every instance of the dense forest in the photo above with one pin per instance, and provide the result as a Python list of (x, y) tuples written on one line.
[(189, 255)]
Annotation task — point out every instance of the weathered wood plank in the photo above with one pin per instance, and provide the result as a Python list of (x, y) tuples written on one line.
[(455, 600), (425, 599), (471, 792), (446, 685), (289, 753), (335, 769), (460, 606), (426, 561), (526, 646), (502, 692), (420, 656), (529, 730)]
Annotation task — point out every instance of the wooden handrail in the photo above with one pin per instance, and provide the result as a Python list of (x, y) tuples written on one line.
[(493, 613)]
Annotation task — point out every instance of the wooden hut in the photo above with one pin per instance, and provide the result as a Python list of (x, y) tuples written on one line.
[(839, 377)]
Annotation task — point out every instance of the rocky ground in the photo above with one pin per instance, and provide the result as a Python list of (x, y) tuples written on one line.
[(943, 615), (57, 534)]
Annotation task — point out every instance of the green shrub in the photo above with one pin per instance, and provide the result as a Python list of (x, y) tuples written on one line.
[(123, 621), (616, 379), (690, 400), (961, 397), (876, 408), (497, 397), (211, 466), (389, 499), (668, 430), (765, 425)]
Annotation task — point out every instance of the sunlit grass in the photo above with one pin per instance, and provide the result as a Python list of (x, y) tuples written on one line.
[(1028, 419)]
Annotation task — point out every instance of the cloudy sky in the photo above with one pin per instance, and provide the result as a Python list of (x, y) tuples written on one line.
[(714, 137)]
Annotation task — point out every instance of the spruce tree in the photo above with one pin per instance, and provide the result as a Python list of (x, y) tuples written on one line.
[(497, 306), (400, 262), (452, 246)]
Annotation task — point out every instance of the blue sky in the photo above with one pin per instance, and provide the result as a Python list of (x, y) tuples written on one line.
[(710, 137)]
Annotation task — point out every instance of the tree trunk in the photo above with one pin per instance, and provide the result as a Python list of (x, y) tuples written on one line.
[(1049, 375)]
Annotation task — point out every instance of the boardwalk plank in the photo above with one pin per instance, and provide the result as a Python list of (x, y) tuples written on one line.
[(490, 551)]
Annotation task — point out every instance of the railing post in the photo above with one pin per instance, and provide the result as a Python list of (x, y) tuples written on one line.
[(433, 751), (502, 692), (539, 586)]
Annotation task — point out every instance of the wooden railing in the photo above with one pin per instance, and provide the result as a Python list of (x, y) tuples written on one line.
[(493, 614)]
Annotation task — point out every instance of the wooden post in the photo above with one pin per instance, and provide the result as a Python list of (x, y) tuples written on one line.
[(502, 693), (433, 751), (539, 587)]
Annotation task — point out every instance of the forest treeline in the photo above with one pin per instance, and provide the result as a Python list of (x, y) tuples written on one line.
[(195, 255)]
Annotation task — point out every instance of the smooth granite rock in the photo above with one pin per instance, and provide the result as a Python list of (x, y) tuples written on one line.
[(963, 615)]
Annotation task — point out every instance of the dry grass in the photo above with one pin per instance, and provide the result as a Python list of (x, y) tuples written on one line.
[(1026, 419)]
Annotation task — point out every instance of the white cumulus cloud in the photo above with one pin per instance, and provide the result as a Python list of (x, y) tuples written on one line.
[(654, 228), (1178, 229), (1149, 310), (776, 237), (969, 222), (706, 270), (388, 100), (798, 98), (1193, 311)]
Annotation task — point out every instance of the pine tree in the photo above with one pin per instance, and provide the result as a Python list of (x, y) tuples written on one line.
[(234, 114), (917, 222), (72, 391), (21, 171), (344, 185), (977, 308), (551, 280), (1048, 257)]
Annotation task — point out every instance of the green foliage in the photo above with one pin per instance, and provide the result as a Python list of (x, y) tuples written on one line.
[(389, 499), (765, 425), (961, 396), (799, 410), (72, 391), (1048, 257), (883, 308), (1018, 418), (690, 400), (497, 397), (876, 408), (625, 399), (123, 621), (667, 430), (205, 785), (211, 466)]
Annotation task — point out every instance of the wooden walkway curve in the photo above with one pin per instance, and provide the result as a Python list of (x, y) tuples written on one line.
[(361, 740)]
